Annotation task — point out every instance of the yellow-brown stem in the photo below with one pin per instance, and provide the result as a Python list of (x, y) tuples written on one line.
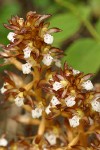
[(41, 128), (74, 141), (16, 63)]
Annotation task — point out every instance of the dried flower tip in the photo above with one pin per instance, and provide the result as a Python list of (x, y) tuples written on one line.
[(3, 89), (57, 86), (19, 101), (75, 72), (47, 110), (70, 101), (51, 138), (27, 52), (55, 101), (26, 68), (37, 112), (47, 59), (96, 104), (49, 77), (87, 85), (58, 63), (48, 38), (3, 142), (10, 36), (74, 121)]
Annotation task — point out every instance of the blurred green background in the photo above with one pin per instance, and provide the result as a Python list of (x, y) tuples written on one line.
[(79, 20)]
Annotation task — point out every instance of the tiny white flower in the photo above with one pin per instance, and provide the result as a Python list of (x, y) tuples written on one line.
[(47, 59), (54, 101), (47, 110), (48, 38), (10, 36), (27, 52), (87, 85), (74, 121), (21, 21), (26, 68), (57, 86), (19, 101), (51, 138), (3, 142), (96, 104), (44, 147), (91, 121), (3, 89), (37, 112), (58, 63), (75, 72), (70, 101)]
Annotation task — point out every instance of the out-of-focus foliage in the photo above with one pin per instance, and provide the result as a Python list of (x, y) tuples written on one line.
[(47, 6), (70, 26), (97, 26), (80, 24), (84, 54), (6, 11)]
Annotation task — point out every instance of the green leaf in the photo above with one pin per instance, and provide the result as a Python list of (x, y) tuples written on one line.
[(68, 23), (85, 11), (84, 55), (53, 9), (42, 3)]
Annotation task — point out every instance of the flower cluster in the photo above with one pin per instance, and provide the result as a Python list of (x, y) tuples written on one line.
[(71, 94), (30, 42), (48, 90)]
